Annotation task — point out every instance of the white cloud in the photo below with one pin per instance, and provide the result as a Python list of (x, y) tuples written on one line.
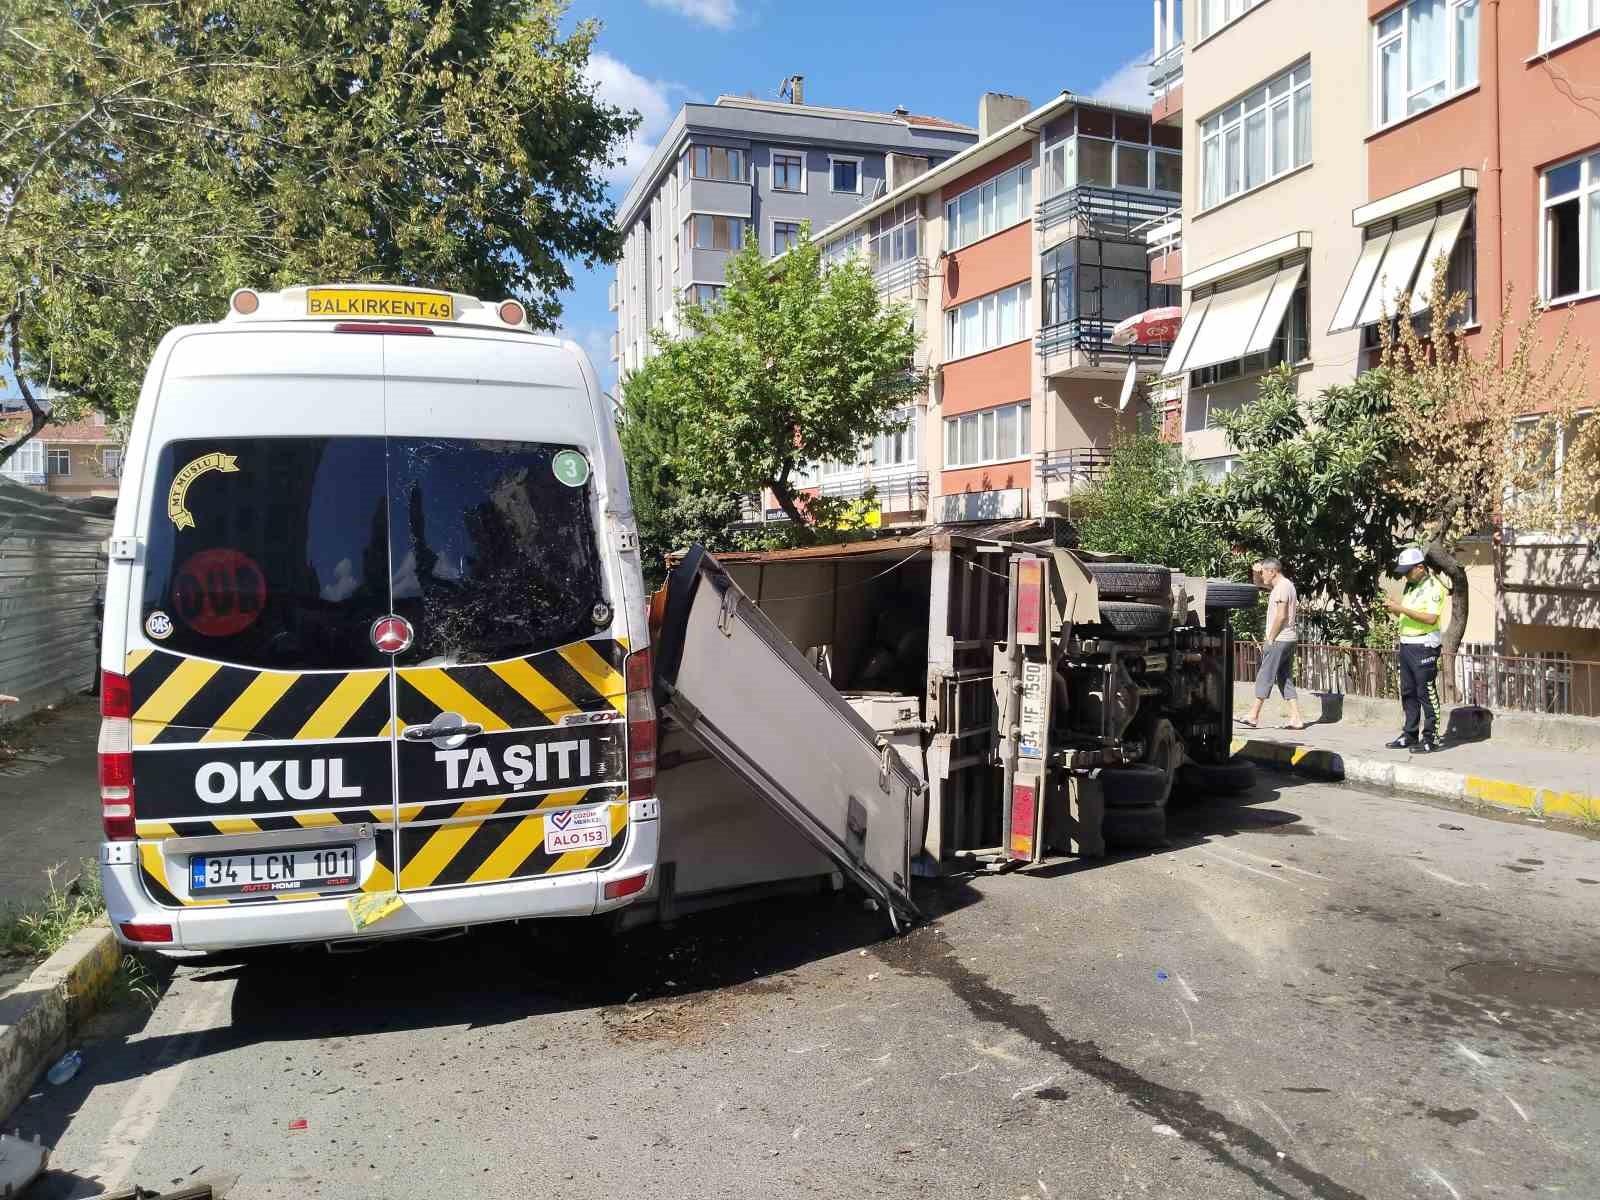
[(1128, 84), (719, 14), (619, 84)]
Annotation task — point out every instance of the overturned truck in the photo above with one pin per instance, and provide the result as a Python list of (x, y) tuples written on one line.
[(913, 705)]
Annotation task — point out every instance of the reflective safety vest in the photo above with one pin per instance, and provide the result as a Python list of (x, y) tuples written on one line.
[(1426, 595)]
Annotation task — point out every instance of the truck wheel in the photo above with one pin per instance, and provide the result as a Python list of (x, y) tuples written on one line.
[(1126, 617), (1165, 753), (1135, 827), (1130, 580), (1135, 787), (1225, 593), (1223, 779)]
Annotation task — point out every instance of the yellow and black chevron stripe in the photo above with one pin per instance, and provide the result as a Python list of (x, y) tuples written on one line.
[(484, 846), (179, 700)]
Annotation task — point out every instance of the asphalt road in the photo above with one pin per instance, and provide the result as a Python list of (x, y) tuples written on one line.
[(1307, 995)]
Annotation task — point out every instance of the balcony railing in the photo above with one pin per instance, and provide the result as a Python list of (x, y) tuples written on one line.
[(898, 276), (906, 486), (1092, 336), (611, 295), (1105, 208), (1166, 73), (1079, 466)]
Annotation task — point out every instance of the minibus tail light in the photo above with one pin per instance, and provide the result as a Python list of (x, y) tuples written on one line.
[(640, 676), (116, 757)]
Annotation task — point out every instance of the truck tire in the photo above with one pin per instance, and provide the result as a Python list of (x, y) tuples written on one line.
[(1223, 779), (1135, 827), (1130, 580), (1136, 787), (1226, 593), (1127, 617)]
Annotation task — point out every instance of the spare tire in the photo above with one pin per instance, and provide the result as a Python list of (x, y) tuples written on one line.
[(1131, 580), (1226, 593), (1225, 778), (1138, 786), (1126, 617)]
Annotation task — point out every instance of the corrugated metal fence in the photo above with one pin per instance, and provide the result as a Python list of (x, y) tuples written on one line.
[(52, 578)]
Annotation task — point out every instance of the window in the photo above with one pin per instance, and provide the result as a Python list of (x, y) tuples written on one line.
[(988, 208), (785, 236), (1258, 138), (718, 162), (788, 171), (843, 247), (1214, 14), (1290, 344), (1424, 52), (58, 462), (703, 294), (1098, 149), (716, 233), (27, 461), (1568, 19), (1541, 451), (992, 436), (111, 462), (898, 448), (844, 174), (997, 319), (1571, 229), (1099, 279), (894, 235)]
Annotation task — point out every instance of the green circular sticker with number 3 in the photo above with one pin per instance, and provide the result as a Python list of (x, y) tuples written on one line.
[(571, 468)]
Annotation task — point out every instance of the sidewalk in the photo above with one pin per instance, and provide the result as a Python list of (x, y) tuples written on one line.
[(49, 799), (1511, 771)]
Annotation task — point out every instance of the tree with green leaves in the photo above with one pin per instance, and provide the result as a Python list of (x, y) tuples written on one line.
[(1313, 485), (1151, 508), (792, 365), (155, 156)]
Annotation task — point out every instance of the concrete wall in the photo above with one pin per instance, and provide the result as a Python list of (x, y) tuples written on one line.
[(1318, 198)]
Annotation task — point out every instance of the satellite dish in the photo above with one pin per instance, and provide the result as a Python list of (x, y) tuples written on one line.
[(1127, 387)]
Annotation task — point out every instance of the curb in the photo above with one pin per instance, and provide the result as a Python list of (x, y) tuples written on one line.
[(1332, 767), (38, 1015)]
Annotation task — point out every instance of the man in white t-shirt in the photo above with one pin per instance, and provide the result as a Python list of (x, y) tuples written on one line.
[(1277, 647)]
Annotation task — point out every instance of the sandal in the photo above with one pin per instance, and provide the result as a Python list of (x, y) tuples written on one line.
[(1245, 721), (1296, 728)]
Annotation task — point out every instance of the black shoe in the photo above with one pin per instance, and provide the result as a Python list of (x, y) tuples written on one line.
[(1404, 742), (1427, 746)]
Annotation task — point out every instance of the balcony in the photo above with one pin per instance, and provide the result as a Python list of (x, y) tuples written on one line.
[(894, 490), (1073, 469), (1082, 348), (908, 276), (1164, 239), (616, 343), (611, 296), (1103, 209), (1166, 84)]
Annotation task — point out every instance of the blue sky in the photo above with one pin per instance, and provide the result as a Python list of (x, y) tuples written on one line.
[(935, 58)]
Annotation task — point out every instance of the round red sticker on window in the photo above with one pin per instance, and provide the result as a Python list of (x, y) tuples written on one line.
[(219, 592)]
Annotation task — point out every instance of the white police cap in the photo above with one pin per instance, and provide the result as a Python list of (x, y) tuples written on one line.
[(1409, 557)]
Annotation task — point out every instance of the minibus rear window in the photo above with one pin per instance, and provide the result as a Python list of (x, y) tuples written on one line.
[(269, 552)]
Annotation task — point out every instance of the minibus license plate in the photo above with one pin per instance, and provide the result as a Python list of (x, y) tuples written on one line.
[(275, 871)]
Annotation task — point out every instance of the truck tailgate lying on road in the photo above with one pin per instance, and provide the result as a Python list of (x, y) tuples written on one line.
[(735, 684)]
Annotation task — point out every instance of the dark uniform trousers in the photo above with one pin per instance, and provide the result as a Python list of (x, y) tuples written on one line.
[(1419, 688)]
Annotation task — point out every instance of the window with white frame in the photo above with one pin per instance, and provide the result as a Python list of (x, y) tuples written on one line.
[(1571, 240), (1095, 148), (988, 208), (788, 171), (1424, 52), (844, 174), (785, 236), (897, 447), (1291, 343), (994, 435), (1564, 20), (111, 461), (58, 462), (28, 460), (845, 246), (894, 235), (701, 295), (722, 163), (1214, 14), (1548, 453), (1256, 139), (708, 232), (997, 319)]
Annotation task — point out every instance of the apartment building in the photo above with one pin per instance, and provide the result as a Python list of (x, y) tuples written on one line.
[(1018, 258), (747, 168), (1335, 154), (75, 460)]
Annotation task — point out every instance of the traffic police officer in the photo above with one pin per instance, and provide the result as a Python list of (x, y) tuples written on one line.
[(1419, 609)]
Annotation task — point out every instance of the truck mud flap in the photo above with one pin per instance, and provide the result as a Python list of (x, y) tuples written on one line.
[(730, 679)]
